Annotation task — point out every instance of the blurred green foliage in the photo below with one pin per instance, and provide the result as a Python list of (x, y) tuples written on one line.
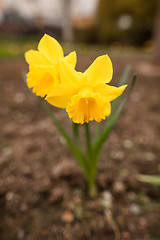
[(126, 22), (16, 46)]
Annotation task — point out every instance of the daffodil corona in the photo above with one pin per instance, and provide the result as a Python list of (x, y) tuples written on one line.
[(44, 64), (86, 96)]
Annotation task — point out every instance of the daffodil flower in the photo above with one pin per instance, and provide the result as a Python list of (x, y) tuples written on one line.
[(44, 65), (86, 96)]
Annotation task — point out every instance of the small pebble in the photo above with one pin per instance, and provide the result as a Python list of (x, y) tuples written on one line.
[(143, 222), (9, 196), (7, 151), (150, 156), (67, 217), (23, 207), (119, 187), (57, 195), (135, 209), (107, 199), (20, 234), (19, 97), (126, 235), (128, 144), (117, 155)]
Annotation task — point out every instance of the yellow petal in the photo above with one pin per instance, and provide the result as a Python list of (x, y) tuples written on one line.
[(50, 48), (87, 106), (34, 57), (71, 59), (61, 96), (100, 71), (69, 76), (41, 79), (110, 92), (41, 88)]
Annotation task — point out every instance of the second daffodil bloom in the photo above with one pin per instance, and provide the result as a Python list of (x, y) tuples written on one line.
[(86, 96), (44, 65)]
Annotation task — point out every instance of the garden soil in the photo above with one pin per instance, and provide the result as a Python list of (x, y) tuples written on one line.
[(43, 194)]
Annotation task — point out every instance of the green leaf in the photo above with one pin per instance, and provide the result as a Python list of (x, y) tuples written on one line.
[(123, 81), (111, 121), (155, 180), (125, 76), (74, 149)]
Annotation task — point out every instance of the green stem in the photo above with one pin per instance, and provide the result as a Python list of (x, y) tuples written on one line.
[(96, 131), (92, 164), (76, 133), (88, 138), (93, 191), (87, 162)]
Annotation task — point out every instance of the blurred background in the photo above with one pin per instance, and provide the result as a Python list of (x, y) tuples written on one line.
[(108, 23), (43, 194)]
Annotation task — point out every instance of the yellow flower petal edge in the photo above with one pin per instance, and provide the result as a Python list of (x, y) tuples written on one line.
[(44, 64), (100, 71), (33, 57), (71, 59), (37, 78), (85, 97), (110, 92), (61, 95), (50, 48)]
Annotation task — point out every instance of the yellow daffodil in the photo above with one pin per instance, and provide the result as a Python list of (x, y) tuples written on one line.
[(44, 65), (86, 96)]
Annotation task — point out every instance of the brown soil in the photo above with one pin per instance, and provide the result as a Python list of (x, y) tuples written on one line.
[(43, 194)]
